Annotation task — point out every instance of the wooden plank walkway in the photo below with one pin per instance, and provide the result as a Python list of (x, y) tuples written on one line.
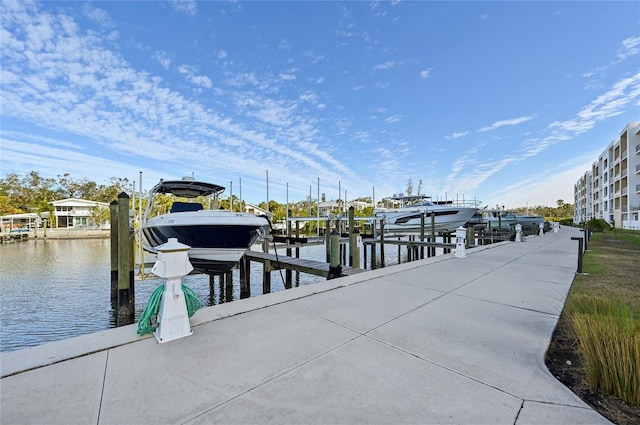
[(316, 268)]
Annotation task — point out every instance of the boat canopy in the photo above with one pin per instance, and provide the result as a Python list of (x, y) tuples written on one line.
[(187, 188)]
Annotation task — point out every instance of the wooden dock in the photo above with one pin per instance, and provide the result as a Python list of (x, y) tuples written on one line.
[(277, 262)]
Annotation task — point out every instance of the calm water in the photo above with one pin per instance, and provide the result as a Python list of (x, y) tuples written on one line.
[(58, 289)]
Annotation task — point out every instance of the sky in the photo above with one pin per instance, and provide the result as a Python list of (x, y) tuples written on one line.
[(507, 103)]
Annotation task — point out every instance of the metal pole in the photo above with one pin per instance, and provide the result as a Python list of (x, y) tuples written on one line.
[(318, 212), (580, 240), (140, 229), (268, 191)]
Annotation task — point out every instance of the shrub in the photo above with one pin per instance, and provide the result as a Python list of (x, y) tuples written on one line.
[(608, 334), (598, 225)]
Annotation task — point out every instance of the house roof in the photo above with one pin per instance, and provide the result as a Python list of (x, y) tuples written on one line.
[(74, 202)]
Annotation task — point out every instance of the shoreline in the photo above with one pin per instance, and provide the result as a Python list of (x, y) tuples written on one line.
[(68, 234)]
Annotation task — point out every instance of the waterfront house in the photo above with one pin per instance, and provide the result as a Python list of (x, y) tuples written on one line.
[(80, 214)]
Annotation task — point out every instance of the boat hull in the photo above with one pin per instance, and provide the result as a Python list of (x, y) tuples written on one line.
[(217, 239), (529, 223), (409, 221)]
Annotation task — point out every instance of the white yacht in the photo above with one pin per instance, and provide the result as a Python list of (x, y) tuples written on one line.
[(407, 217), (217, 238)]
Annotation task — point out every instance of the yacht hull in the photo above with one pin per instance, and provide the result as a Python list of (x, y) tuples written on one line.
[(217, 239), (409, 220)]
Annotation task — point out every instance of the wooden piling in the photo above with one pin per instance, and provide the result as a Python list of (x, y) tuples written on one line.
[(297, 252), (288, 274), (126, 289), (113, 210), (374, 260), (327, 240), (356, 256), (352, 236), (266, 271), (245, 278), (365, 255), (382, 243), (334, 265), (422, 222), (212, 286), (228, 290)]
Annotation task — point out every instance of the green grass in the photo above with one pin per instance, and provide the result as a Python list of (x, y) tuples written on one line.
[(604, 311)]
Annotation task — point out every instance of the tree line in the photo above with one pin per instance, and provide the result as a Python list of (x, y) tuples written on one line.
[(33, 193)]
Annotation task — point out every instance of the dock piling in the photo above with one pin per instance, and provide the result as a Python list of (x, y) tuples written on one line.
[(245, 277), (335, 270), (126, 289), (113, 210)]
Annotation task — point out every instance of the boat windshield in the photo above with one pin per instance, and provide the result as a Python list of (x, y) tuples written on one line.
[(423, 204)]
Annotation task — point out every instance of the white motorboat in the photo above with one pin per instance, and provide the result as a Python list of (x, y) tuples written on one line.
[(407, 217), (495, 219), (217, 238)]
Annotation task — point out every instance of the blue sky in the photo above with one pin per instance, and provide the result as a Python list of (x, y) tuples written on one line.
[(504, 102)]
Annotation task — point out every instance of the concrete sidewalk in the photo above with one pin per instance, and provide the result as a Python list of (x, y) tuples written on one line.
[(438, 341)]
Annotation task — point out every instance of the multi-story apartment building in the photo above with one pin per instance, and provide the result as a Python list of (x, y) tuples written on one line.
[(611, 189)]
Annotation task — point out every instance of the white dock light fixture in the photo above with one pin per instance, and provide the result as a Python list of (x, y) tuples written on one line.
[(461, 239), (172, 264), (519, 235)]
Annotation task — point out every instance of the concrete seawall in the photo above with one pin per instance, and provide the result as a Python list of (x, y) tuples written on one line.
[(70, 234)]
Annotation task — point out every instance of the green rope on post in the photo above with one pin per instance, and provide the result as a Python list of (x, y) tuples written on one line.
[(149, 318), (192, 300)]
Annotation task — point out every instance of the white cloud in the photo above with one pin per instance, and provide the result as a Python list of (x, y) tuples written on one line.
[(426, 73), (502, 123), (314, 57), (188, 7), (630, 47), (287, 76), (163, 58), (284, 44), (392, 120), (97, 15), (457, 135), (386, 65), (605, 106), (190, 74)]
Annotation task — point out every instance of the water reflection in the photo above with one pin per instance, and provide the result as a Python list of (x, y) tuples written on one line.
[(58, 289)]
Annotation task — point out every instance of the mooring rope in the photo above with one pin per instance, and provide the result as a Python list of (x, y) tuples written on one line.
[(149, 318)]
